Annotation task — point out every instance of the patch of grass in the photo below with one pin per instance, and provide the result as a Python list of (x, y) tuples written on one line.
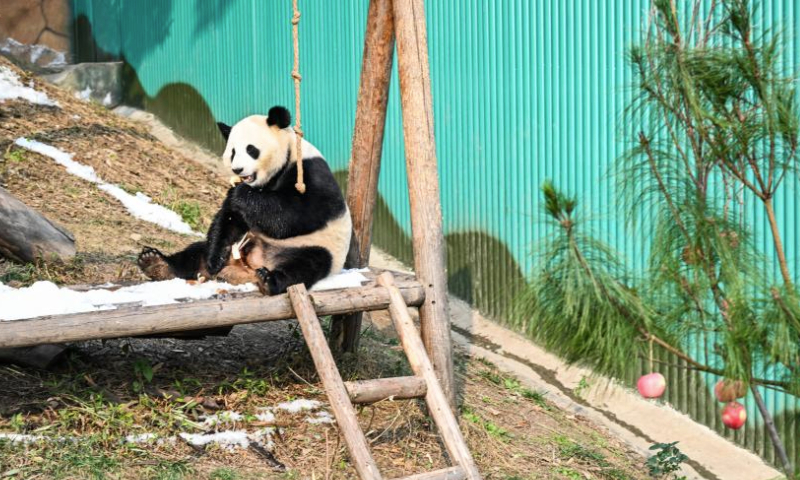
[(223, 474), (491, 428), (18, 273), (16, 155), (189, 212), (129, 188), (569, 473)]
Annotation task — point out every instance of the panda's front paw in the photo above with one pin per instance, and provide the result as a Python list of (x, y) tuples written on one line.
[(264, 280)]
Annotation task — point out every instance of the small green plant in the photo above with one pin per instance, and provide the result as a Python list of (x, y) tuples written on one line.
[(569, 473), (491, 428), (144, 374), (583, 385), (666, 461)]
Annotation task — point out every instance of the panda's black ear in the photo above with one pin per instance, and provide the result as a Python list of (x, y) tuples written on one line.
[(279, 116), (224, 129)]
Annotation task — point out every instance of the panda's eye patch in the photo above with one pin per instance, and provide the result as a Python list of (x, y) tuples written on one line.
[(253, 152), (233, 153)]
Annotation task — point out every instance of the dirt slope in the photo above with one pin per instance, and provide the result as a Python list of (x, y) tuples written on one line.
[(121, 152)]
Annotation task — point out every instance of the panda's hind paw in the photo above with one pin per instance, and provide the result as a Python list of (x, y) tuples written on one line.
[(154, 264)]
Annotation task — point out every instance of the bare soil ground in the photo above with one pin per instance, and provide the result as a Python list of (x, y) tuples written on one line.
[(106, 390)]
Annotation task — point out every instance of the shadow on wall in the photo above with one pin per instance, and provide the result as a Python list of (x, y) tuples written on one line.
[(480, 268), (134, 43), (208, 13)]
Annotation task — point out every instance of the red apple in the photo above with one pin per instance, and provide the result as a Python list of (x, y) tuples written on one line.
[(734, 415), (651, 385), (729, 390)]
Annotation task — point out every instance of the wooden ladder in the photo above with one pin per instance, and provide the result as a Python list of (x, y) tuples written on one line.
[(341, 394)]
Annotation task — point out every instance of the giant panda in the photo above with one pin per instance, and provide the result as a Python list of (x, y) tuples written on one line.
[(282, 237)]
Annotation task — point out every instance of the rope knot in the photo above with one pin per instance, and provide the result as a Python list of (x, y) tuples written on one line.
[(296, 18)]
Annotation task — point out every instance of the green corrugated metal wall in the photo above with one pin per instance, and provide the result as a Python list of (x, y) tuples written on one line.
[(524, 90)]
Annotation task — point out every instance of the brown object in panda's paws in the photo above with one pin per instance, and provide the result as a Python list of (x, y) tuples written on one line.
[(234, 180)]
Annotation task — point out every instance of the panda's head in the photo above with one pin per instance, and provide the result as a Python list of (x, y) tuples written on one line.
[(258, 147)]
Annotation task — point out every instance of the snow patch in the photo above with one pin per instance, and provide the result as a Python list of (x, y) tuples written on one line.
[(21, 438), (11, 88), (85, 94), (266, 416), (228, 438), (141, 438), (139, 205), (227, 416), (57, 59), (321, 417), (299, 405), (344, 279), (46, 298)]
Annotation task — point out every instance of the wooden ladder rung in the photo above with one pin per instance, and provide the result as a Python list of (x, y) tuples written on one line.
[(397, 388), (424, 382), (451, 473)]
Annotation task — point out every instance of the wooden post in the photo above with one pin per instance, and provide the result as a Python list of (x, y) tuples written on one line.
[(423, 185), (438, 403), (365, 163), (337, 395)]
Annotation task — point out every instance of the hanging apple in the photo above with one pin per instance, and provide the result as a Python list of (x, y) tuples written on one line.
[(651, 385), (734, 415), (727, 390)]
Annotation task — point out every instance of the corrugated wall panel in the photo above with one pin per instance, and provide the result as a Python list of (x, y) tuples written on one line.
[(523, 91)]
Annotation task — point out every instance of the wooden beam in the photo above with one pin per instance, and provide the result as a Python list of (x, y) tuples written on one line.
[(131, 322), (26, 234), (452, 473), (438, 404), (373, 96), (343, 410), (423, 185), (365, 161), (397, 388)]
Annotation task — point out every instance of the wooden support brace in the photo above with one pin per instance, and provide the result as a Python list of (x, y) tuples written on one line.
[(423, 186), (438, 404), (337, 395), (398, 388)]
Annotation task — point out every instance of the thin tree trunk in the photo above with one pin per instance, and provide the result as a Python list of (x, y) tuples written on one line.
[(776, 237), (773, 433)]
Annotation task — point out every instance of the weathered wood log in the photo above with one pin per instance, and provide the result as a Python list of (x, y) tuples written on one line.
[(343, 410), (373, 96), (438, 404), (26, 234), (452, 473), (40, 356), (362, 183), (423, 185), (397, 388), (131, 322)]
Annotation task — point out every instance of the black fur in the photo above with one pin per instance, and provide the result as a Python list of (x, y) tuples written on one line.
[(306, 265), (279, 116), (252, 151), (225, 130), (278, 211)]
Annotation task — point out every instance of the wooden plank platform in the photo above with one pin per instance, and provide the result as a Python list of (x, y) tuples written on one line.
[(202, 314)]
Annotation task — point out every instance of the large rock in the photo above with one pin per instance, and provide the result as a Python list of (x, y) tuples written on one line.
[(101, 82)]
